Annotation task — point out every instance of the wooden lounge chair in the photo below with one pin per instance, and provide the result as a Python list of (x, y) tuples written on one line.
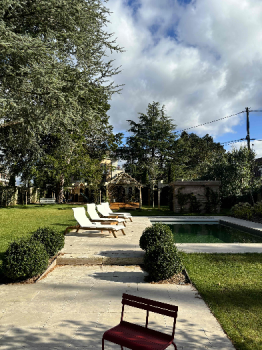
[(91, 210), (85, 224), (104, 212)]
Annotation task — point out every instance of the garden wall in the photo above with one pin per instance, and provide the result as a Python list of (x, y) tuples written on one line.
[(196, 196)]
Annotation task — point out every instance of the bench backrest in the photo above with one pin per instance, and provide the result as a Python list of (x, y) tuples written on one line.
[(150, 305)]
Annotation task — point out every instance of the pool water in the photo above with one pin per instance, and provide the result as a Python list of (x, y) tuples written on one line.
[(210, 233)]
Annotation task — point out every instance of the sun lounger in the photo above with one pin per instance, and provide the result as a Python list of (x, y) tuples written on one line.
[(85, 224), (91, 210), (106, 206)]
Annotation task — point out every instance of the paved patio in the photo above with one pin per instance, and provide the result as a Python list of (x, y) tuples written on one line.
[(73, 305)]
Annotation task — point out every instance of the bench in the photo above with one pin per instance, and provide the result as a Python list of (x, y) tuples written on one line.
[(138, 337), (47, 201)]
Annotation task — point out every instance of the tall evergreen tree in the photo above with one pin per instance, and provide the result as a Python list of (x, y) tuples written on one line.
[(53, 76), (150, 145)]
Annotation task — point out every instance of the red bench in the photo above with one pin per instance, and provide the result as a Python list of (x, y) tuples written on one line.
[(137, 337)]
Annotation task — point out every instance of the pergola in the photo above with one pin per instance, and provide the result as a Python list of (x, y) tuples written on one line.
[(127, 182)]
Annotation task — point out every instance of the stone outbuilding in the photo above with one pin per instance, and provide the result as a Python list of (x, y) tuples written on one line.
[(195, 196)]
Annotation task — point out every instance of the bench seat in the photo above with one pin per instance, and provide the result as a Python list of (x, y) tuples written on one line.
[(137, 337), (47, 201)]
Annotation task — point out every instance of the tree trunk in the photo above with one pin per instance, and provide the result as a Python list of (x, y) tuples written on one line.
[(60, 197)]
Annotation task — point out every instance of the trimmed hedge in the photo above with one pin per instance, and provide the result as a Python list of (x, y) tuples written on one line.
[(24, 259), (53, 240), (162, 262), (156, 234)]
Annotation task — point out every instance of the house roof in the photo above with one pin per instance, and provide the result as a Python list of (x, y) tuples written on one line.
[(124, 179)]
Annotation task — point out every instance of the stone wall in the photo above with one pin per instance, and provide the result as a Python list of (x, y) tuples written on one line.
[(199, 190)]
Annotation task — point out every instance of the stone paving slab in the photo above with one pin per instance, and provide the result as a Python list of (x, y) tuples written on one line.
[(74, 305), (90, 247)]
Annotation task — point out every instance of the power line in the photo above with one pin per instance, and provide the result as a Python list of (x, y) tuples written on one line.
[(213, 121)]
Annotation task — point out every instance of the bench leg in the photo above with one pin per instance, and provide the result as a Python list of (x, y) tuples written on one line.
[(123, 232), (174, 345)]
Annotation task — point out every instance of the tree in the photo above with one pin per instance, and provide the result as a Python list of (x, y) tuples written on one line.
[(193, 154), (234, 169), (151, 144), (53, 77)]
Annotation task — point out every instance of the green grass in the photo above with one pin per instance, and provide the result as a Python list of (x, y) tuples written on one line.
[(21, 221), (231, 285), (165, 211)]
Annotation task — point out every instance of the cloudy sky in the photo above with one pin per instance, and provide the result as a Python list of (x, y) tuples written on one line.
[(202, 59)]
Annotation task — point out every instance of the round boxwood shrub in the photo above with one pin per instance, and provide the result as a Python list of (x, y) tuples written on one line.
[(158, 233), (52, 239), (162, 262), (242, 211), (24, 259)]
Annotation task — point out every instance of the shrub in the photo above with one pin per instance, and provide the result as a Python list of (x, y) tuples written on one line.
[(257, 209), (162, 262), (242, 211), (25, 258), (53, 240), (158, 233)]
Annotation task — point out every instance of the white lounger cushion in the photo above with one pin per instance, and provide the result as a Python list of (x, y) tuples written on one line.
[(91, 209), (81, 218)]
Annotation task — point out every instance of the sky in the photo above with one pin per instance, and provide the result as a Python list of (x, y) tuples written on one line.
[(202, 59)]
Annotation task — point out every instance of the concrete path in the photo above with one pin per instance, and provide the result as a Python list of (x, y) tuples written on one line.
[(92, 247), (73, 305)]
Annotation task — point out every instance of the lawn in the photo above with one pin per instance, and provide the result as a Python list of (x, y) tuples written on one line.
[(231, 285), (21, 221)]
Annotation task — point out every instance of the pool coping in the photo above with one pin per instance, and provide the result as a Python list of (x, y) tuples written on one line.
[(234, 248)]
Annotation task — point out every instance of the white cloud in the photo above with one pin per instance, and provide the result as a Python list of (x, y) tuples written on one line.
[(210, 68)]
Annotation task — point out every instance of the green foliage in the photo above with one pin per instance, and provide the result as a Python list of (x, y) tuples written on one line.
[(52, 239), (193, 154), (246, 211), (234, 169), (157, 233), (242, 211), (195, 205), (54, 88), (213, 200), (24, 259), (257, 209), (162, 262), (182, 199), (150, 146)]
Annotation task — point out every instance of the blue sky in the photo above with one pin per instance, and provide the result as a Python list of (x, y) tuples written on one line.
[(202, 59)]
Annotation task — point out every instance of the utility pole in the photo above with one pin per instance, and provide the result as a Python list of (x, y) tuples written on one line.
[(248, 135)]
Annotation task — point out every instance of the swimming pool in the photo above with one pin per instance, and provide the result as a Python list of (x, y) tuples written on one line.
[(209, 232)]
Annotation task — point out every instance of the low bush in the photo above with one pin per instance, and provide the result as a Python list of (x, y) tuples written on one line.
[(24, 259), (52, 239), (158, 233), (242, 211), (162, 262), (257, 209)]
